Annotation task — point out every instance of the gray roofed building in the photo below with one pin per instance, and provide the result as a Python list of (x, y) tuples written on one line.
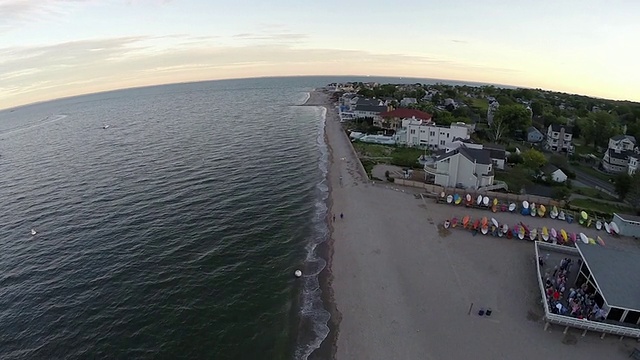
[(616, 273), (371, 108), (558, 127), (622, 137)]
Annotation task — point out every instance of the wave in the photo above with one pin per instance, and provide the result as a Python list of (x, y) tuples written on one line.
[(312, 309), (42, 122)]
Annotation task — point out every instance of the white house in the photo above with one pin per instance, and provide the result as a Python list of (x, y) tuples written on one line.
[(559, 138), (497, 153), (621, 155), (463, 167), (415, 132), (551, 172)]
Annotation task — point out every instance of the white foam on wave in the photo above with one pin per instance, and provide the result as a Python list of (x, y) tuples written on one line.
[(307, 95), (42, 122), (312, 307)]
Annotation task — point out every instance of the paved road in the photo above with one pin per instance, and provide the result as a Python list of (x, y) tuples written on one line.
[(594, 182)]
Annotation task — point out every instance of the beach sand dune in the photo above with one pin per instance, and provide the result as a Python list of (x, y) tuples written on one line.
[(403, 288)]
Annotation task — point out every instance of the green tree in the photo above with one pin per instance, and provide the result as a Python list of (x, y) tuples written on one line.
[(537, 107), (622, 184), (513, 117), (444, 118), (533, 159), (598, 127)]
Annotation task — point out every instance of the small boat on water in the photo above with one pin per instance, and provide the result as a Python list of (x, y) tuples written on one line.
[(598, 225), (584, 238), (449, 199), (105, 126), (545, 234)]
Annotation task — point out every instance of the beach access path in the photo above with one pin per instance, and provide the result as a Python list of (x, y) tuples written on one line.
[(403, 289)]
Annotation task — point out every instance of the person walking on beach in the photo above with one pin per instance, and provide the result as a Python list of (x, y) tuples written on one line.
[(334, 217), (341, 216)]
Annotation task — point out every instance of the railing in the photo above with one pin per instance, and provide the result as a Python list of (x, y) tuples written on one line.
[(583, 324), (497, 184)]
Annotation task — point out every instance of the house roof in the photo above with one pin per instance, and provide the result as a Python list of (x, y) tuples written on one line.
[(372, 102), (629, 217), (617, 274), (531, 129), (557, 127), (492, 146), (622, 155), (372, 108), (407, 113), (480, 156), (622, 137), (550, 169), (497, 154)]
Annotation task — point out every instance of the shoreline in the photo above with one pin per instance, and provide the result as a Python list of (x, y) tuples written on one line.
[(327, 349)]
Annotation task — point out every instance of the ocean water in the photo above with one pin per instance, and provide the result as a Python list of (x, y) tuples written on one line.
[(174, 232)]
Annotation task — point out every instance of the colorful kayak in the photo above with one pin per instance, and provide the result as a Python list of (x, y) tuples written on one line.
[(563, 235), (449, 199), (465, 221), (541, 210), (485, 221), (447, 223), (457, 199), (584, 238), (505, 228), (479, 200), (573, 237), (598, 225), (512, 207), (561, 216), (554, 212), (485, 201), (454, 222), (600, 241), (494, 222), (533, 234), (476, 225), (533, 210), (484, 229), (521, 233), (607, 228), (554, 234), (545, 234), (614, 228)]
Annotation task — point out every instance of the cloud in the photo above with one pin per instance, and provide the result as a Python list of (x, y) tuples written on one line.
[(36, 73), (14, 12), (279, 37), (459, 41)]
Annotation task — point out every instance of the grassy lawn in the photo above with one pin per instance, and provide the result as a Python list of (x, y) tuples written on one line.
[(581, 149), (604, 208), (386, 154), (593, 193), (480, 104)]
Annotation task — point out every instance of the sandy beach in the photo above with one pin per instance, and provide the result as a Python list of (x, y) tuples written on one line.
[(402, 289)]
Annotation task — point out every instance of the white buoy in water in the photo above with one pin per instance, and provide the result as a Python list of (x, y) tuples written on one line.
[(33, 232), (297, 273)]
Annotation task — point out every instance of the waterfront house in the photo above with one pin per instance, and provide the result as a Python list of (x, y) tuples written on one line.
[(534, 135), (497, 153), (629, 225), (392, 120), (559, 138), (621, 155), (417, 132), (463, 167), (369, 111)]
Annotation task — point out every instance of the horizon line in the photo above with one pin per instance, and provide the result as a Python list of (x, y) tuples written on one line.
[(302, 76)]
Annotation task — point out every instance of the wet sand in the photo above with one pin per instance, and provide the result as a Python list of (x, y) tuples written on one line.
[(401, 288)]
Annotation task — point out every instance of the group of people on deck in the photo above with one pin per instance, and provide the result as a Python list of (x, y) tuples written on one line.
[(579, 303)]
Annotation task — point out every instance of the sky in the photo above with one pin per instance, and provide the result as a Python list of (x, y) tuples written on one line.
[(58, 48)]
